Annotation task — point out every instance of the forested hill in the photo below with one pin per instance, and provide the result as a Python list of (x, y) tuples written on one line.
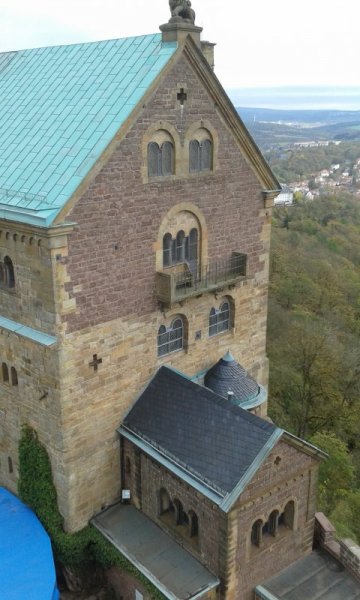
[(313, 342)]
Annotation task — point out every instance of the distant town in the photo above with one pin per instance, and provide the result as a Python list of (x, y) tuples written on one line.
[(344, 177)]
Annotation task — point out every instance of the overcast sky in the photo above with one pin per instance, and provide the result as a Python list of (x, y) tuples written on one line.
[(259, 44)]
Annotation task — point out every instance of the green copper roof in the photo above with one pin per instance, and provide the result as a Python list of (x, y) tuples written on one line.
[(59, 109)]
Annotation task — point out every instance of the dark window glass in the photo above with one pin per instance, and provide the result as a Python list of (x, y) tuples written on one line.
[(167, 250), (167, 158), (153, 159), (9, 272), (163, 341), (193, 245), (14, 377), (219, 320), (273, 522), (171, 339), (194, 524), (256, 532), (194, 156), (213, 322), (180, 247), (206, 155), (5, 373)]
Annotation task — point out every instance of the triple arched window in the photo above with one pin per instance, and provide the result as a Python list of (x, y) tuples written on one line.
[(180, 249), (219, 319), (272, 527), (173, 513), (7, 274), (171, 339)]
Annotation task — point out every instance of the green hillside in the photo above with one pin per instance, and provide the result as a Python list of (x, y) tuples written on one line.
[(313, 342)]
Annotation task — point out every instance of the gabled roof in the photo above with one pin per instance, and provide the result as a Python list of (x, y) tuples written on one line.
[(59, 109), (214, 445)]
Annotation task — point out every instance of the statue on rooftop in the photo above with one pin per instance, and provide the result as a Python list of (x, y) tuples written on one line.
[(181, 10)]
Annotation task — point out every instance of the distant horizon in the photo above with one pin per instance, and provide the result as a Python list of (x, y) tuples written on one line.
[(302, 97)]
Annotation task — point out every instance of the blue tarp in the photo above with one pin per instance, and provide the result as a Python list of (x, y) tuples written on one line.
[(27, 569)]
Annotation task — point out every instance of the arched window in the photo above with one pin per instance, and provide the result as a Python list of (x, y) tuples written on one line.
[(194, 156), (182, 249), (153, 158), (273, 522), (194, 524), (165, 504), (160, 159), (167, 158), (181, 517), (219, 319), (206, 155), (167, 250), (170, 339), (5, 373), (256, 532), (7, 275), (14, 377), (193, 245), (287, 517), (200, 152)]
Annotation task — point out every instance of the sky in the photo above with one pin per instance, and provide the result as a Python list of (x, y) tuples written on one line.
[(259, 44)]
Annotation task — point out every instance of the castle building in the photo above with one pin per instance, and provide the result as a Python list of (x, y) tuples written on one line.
[(134, 252)]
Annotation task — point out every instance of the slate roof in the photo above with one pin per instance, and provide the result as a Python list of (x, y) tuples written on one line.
[(216, 443), (59, 109), (228, 375)]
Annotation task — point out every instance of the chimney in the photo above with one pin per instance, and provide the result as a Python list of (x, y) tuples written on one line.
[(208, 51)]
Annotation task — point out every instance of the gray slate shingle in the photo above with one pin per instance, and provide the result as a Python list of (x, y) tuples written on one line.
[(211, 438)]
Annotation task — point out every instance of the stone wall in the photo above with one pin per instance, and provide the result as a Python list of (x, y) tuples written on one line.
[(145, 480), (94, 288), (31, 301), (276, 483)]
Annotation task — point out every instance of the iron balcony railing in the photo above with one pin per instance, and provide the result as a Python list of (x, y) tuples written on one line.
[(184, 281)]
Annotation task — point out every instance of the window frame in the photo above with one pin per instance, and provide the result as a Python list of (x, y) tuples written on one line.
[(174, 340), (220, 319)]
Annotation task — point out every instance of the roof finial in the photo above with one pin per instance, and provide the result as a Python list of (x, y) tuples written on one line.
[(181, 11)]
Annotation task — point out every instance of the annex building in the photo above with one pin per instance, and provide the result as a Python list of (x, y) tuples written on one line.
[(134, 252)]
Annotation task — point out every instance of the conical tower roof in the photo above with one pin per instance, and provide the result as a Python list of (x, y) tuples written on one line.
[(227, 375)]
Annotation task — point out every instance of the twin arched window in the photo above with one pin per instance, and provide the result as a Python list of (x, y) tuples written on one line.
[(200, 155), (161, 153), (183, 248), (219, 319), (7, 275), (9, 376), (171, 339), (161, 159)]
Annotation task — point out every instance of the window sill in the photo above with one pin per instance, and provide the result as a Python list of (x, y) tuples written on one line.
[(268, 541), (11, 291)]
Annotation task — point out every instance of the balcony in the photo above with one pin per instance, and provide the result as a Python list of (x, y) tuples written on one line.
[(182, 281)]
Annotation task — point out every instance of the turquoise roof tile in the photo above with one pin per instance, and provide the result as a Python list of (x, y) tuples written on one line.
[(59, 109)]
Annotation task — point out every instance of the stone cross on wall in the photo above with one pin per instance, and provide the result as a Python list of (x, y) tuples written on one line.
[(95, 362)]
